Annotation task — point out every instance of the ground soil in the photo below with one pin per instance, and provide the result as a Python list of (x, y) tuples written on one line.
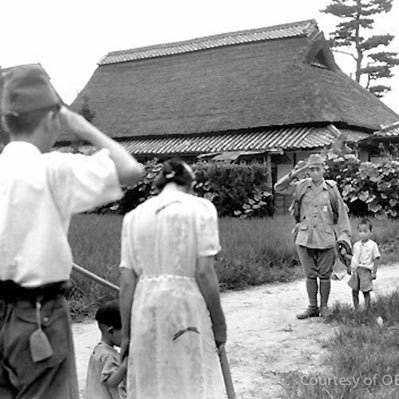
[(265, 340)]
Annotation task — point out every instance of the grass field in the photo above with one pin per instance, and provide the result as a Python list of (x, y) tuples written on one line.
[(254, 251), (363, 357)]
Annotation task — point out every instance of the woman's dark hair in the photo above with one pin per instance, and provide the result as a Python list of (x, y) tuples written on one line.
[(109, 315), (174, 170)]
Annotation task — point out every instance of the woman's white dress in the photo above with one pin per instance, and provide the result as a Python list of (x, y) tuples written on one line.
[(172, 351)]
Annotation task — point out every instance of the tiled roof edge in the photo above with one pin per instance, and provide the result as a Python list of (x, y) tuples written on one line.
[(389, 127)]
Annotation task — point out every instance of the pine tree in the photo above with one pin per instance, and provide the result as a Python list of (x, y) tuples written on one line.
[(371, 62)]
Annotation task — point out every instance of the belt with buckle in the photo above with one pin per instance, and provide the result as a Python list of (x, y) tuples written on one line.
[(10, 291)]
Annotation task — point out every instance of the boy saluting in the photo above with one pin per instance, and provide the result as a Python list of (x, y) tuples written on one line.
[(322, 223), (39, 192)]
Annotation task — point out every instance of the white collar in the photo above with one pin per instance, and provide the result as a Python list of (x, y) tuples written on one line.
[(21, 146)]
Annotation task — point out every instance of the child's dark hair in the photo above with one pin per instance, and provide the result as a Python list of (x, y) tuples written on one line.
[(366, 222), (174, 170), (109, 315)]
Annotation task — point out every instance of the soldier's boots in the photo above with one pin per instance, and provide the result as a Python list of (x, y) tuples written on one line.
[(324, 312), (309, 312)]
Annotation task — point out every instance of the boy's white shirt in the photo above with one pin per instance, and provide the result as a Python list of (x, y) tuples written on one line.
[(365, 254), (38, 195)]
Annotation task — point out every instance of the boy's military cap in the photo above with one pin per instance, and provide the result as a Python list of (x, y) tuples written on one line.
[(27, 88)]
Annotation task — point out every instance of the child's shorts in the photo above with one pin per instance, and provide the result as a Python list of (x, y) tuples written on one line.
[(361, 280)]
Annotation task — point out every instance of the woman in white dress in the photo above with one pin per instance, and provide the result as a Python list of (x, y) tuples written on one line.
[(173, 322)]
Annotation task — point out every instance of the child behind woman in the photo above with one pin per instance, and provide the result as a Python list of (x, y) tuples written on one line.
[(105, 374), (363, 264)]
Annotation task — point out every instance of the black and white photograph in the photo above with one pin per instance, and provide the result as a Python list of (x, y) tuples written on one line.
[(199, 200)]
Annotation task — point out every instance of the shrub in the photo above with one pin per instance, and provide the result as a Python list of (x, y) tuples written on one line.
[(236, 190), (367, 188)]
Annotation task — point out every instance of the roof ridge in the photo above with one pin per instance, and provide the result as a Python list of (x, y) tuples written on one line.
[(217, 36), (293, 29)]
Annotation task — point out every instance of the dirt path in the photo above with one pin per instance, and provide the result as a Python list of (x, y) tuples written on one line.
[(264, 337)]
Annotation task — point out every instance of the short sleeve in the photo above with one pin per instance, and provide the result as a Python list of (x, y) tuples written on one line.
[(376, 251), (127, 260), (207, 229), (83, 182), (109, 364)]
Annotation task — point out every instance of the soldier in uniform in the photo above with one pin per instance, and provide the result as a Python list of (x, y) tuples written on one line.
[(322, 224)]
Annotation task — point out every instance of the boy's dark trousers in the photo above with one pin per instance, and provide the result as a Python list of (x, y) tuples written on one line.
[(20, 377)]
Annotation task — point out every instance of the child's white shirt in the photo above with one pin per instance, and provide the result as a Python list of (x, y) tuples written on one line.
[(364, 254), (104, 361)]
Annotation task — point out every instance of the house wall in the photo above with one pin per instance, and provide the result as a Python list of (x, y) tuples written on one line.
[(283, 169), (378, 160), (371, 154), (363, 155)]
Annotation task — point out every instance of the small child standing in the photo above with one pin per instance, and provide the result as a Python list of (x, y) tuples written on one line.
[(106, 375), (363, 264)]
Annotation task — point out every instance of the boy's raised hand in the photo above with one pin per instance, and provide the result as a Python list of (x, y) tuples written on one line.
[(76, 123)]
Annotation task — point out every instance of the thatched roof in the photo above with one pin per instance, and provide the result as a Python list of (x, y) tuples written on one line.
[(275, 76)]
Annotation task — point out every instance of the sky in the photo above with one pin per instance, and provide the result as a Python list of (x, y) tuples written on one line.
[(69, 37)]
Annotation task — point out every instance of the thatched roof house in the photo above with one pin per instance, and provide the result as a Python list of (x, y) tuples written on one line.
[(261, 90)]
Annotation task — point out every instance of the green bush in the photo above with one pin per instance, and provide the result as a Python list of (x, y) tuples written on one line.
[(236, 190), (367, 188)]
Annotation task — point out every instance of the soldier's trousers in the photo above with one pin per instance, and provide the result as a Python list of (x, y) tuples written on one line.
[(316, 262)]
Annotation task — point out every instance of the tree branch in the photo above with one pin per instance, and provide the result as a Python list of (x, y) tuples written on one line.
[(344, 52)]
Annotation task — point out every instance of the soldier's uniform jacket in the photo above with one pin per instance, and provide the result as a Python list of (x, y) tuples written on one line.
[(323, 218)]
